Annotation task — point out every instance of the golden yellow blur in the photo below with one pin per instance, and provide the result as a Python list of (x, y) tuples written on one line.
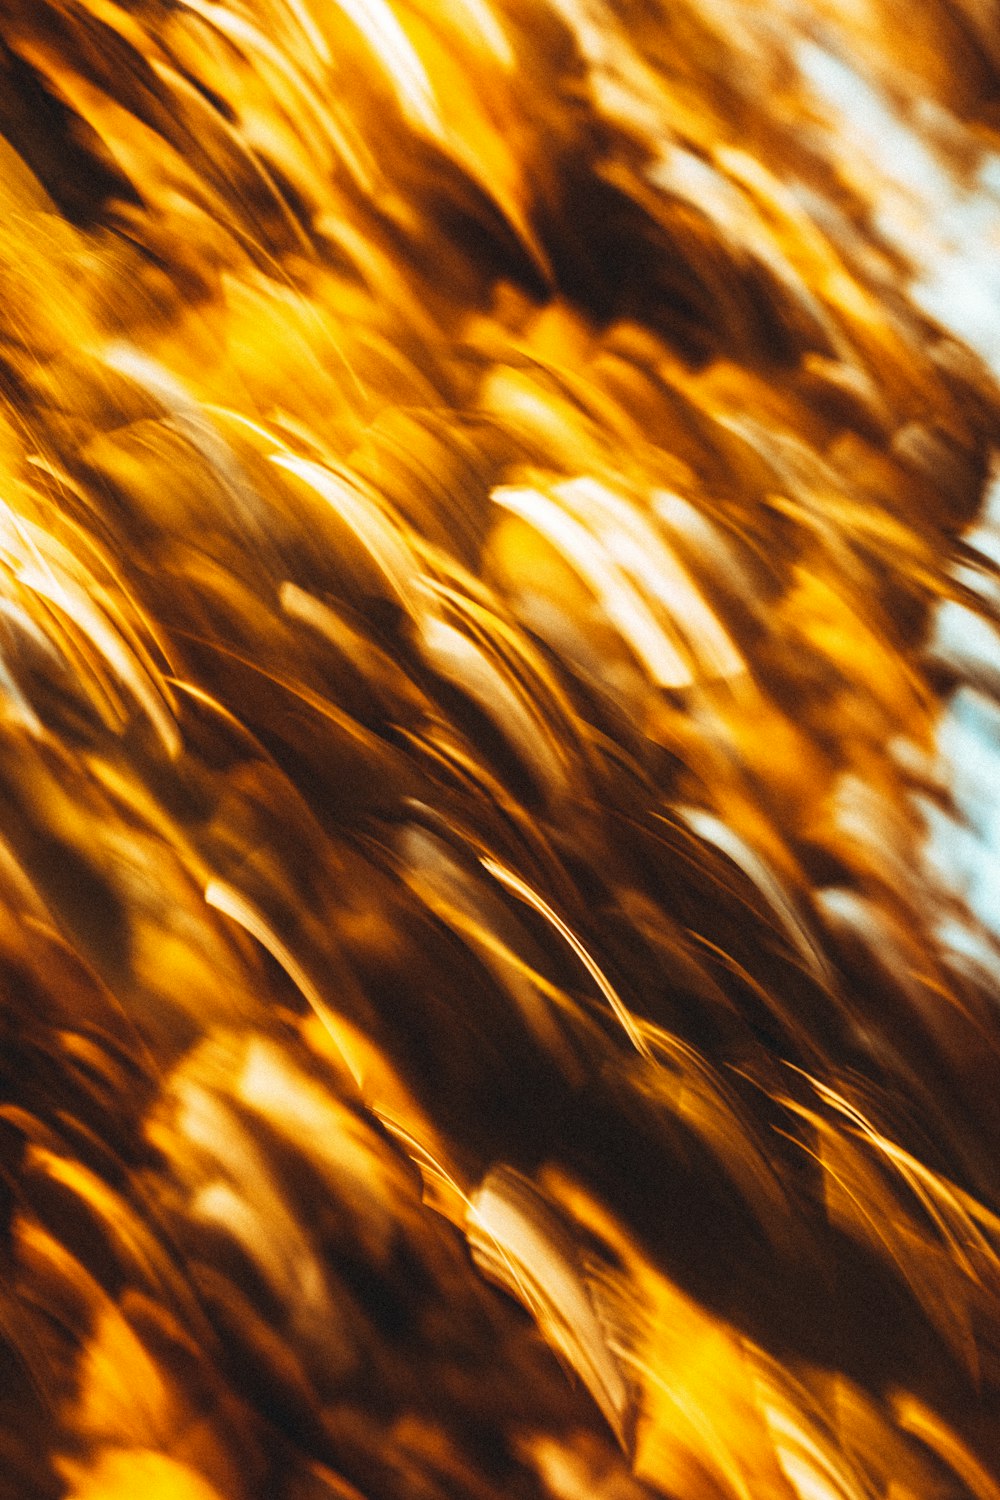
[(499, 749)]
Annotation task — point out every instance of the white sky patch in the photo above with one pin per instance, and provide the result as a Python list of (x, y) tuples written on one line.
[(949, 232), (963, 851)]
